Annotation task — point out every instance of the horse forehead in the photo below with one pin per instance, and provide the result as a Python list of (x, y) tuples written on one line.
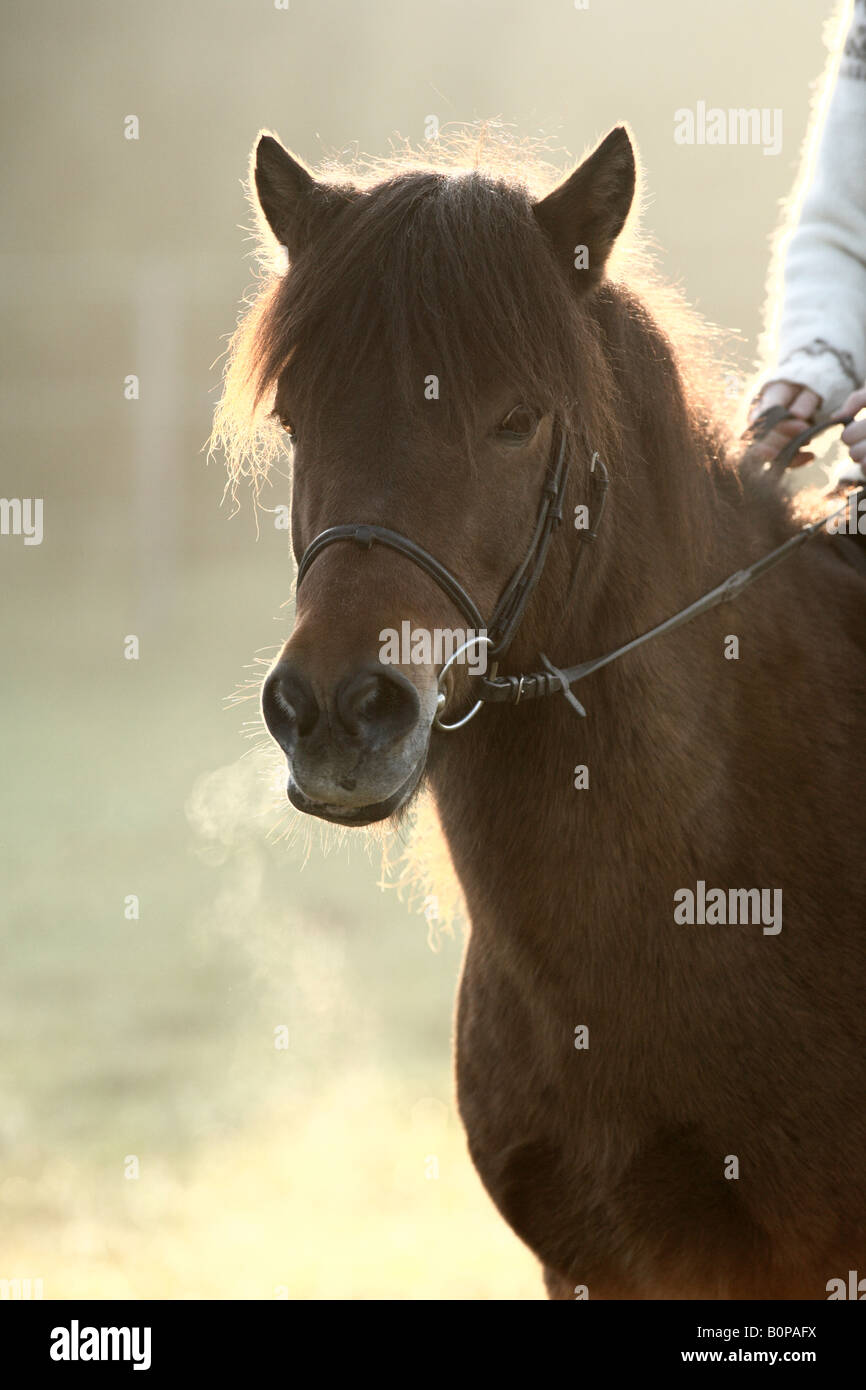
[(358, 463)]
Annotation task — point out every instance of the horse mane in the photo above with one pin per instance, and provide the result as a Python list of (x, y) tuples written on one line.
[(445, 274)]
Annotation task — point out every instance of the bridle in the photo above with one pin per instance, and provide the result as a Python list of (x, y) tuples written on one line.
[(508, 612)]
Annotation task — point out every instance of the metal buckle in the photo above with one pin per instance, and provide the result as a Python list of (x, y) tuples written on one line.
[(440, 703)]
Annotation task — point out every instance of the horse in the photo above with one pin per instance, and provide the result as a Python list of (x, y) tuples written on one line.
[(660, 1081)]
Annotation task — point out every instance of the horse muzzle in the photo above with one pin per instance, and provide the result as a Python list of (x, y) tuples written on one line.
[(355, 752)]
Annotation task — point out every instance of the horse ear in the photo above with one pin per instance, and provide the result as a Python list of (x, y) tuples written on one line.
[(294, 204), (584, 216)]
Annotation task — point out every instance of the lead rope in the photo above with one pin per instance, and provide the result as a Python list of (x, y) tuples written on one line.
[(511, 689)]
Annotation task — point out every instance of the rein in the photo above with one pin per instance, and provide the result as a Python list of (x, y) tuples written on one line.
[(508, 612)]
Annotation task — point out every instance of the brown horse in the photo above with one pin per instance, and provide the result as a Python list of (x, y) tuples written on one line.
[(662, 1102)]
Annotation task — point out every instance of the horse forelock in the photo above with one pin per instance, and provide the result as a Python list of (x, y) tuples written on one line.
[(441, 272), (435, 288)]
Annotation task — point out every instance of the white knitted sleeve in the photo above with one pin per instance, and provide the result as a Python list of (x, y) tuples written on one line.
[(817, 330)]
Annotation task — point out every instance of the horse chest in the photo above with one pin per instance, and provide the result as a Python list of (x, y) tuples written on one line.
[(597, 1147), (551, 1124)]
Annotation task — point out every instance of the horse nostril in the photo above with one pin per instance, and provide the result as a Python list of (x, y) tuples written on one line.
[(289, 706), (378, 704)]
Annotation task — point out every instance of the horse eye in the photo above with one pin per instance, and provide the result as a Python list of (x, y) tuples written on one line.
[(519, 424), (288, 427)]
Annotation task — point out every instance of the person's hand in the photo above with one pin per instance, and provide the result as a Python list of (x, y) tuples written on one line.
[(854, 436), (800, 402)]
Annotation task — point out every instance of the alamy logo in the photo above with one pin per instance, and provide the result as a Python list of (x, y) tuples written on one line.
[(75, 1343), (732, 907), (420, 646), (855, 1288), (736, 126), (21, 1289), (851, 522), (22, 516)]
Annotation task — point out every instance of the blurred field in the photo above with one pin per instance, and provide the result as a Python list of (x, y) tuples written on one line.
[(302, 1170), (305, 1172)]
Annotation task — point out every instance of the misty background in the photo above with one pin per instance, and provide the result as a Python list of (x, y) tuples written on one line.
[(325, 1160)]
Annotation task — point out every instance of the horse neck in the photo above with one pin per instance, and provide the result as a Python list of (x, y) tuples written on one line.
[(670, 533), (671, 529)]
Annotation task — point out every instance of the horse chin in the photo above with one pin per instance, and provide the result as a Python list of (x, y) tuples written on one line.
[(357, 816)]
